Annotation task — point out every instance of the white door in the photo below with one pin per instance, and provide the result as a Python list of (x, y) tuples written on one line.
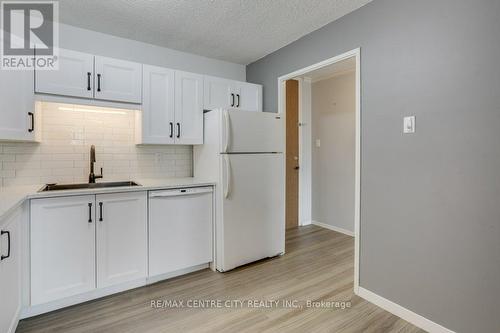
[(251, 132), (253, 210), (158, 105), (10, 271), (62, 247), (73, 78), (180, 229), (249, 97), (118, 80), (218, 93), (17, 115), (188, 108), (121, 222)]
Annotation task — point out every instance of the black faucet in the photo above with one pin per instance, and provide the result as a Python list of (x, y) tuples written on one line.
[(92, 175)]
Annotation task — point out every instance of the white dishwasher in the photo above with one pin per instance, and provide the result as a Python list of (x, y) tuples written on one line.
[(180, 229)]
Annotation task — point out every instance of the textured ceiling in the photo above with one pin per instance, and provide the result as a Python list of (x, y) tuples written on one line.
[(239, 31)]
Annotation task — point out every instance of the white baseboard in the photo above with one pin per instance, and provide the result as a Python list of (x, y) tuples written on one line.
[(15, 321), (38, 309), (402, 312), (331, 227)]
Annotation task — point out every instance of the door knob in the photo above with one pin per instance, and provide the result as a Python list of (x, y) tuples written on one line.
[(297, 168)]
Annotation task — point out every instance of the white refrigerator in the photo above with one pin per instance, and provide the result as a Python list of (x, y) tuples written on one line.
[(243, 153)]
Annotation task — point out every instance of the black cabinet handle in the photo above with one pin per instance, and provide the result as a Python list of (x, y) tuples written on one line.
[(232, 99), (238, 100), (100, 211), (88, 80), (171, 129), (32, 116), (98, 82), (8, 242), (178, 130), (90, 212)]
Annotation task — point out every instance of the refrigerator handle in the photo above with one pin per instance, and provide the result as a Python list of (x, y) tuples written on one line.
[(228, 177), (227, 130)]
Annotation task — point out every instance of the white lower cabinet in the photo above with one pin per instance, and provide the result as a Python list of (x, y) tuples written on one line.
[(88, 246), (66, 260), (121, 224), (62, 247), (10, 272)]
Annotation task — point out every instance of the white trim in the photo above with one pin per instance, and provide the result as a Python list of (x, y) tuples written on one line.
[(333, 228), (357, 189), (305, 152), (402, 312), (15, 321)]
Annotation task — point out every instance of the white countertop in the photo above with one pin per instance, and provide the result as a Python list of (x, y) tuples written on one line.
[(12, 197)]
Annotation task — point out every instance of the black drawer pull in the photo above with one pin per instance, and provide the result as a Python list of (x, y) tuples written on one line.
[(98, 82), (90, 212), (100, 211), (32, 118), (8, 242), (88, 80)]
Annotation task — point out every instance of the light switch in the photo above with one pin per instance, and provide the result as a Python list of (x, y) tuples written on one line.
[(318, 143), (409, 124)]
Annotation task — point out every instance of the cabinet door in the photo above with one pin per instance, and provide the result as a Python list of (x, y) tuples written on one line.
[(158, 105), (73, 78), (62, 247), (249, 97), (10, 274), (188, 108), (118, 80), (17, 106), (121, 237), (218, 93), (180, 229)]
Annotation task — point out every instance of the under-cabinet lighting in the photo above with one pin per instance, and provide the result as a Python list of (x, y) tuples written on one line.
[(63, 108)]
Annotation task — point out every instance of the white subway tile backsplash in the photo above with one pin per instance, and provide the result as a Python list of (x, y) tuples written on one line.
[(63, 154)]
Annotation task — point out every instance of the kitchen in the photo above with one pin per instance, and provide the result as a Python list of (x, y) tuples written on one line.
[(162, 167)]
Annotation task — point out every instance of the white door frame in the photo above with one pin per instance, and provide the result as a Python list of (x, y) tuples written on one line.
[(356, 53)]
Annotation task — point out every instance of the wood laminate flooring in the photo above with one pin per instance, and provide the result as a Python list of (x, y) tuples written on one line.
[(318, 266)]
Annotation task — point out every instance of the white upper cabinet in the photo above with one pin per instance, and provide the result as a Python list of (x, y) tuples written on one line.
[(249, 96), (117, 80), (121, 222), (218, 93), (188, 108), (157, 123), (87, 76), (172, 110), (222, 93), (62, 247), (18, 119), (73, 78)]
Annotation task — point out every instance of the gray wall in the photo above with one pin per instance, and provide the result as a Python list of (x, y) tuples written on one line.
[(430, 202), (333, 110), (83, 40)]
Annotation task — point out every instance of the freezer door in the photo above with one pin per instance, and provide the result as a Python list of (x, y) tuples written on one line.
[(251, 132), (253, 221)]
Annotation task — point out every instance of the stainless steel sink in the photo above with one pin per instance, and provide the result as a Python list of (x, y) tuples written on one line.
[(59, 187)]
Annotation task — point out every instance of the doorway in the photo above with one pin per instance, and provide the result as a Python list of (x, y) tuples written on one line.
[(292, 154), (295, 104)]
